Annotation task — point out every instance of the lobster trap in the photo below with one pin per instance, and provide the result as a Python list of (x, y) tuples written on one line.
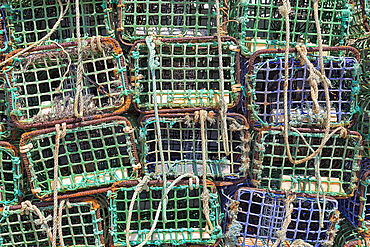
[(338, 162), (263, 27), (80, 225), (5, 130), (182, 145), (348, 236), (359, 24), (187, 75), (362, 124), (140, 18), (185, 221), (363, 44), (266, 80), (30, 21), (10, 174), (44, 80), (92, 154), (261, 214)]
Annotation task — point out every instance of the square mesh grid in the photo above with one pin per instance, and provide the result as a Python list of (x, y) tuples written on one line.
[(31, 20), (36, 76), (81, 226), (348, 236), (92, 154), (5, 131), (267, 97), (362, 124), (182, 145), (188, 74), (167, 18), (339, 161), (264, 27), (261, 214), (185, 223), (10, 174)]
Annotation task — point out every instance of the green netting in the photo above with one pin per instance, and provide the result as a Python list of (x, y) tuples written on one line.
[(357, 26), (89, 156), (5, 131), (263, 27), (338, 162), (185, 220), (10, 175), (34, 79), (80, 226), (188, 74), (166, 18), (182, 146), (348, 236), (363, 46), (362, 124), (29, 21)]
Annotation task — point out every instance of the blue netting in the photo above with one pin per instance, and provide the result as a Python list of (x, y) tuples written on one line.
[(267, 103), (262, 213)]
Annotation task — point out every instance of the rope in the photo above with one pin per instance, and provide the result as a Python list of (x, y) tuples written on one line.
[(55, 27), (205, 194), (68, 66), (319, 188), (223, 104), (60, 230), (58, 135), (300, 243), (153, 64), (142, 184), (78, 104), (28, 207)]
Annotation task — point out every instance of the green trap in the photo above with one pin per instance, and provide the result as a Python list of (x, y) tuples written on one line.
[(81, 225), (338, 162), (359, 24), (29, 21), (348, 236), (43, 83), (5, 130), (263, 27), (185, 223), (182, 145), (363, 45), (362, 124), (186, 73), (92, 154), (10, 174)]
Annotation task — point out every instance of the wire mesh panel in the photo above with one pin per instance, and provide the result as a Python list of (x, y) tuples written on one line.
[(185, 223), (348, 236), (44, 83), (140, 18), (266, 80), (182, 145), (81, 225), (92, 154), (261, 214), (10, 174), (264, 27), (188, 73), (338, 161), (31, 20)]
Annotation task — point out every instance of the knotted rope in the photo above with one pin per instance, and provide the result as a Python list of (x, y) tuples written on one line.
[(79, 104), (58, 135)]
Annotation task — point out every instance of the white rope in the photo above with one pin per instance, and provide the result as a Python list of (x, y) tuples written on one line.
[(68, 66), (59, 222), (26, 148), (79, 104)]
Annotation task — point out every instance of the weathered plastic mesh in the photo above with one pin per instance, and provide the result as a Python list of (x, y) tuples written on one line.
[(261, 214), (185, 223), (358, 25), (362, 124), (182, 146), (4, 36), (89, 156), (10, 175), (5, 131), (264, 27), (267, 83), (80, 226), (363, 46), (36, 76), (338, 162), (188, 74), (165, 18), (348, 236), (31, 20)]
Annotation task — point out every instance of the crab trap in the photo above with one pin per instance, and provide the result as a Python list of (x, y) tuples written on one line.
[(30, 21), (182, 221), (258, 215), (348, 236), (266, 81), (338, 162), (187, 74), (92, 154), (44, 83), (263, 27), (182, 145), (31, 225), (10, 174), (140, 18)]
